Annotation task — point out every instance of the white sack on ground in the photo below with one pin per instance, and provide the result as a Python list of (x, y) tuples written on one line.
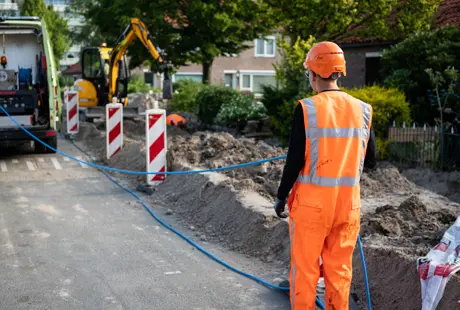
[(438, 266)]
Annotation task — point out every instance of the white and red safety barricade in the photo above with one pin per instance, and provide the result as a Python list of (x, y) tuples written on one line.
[(114, 126), (155, 123), (71, 103)]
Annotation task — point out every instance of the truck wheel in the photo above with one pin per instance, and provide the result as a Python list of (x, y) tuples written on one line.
[(41, 149)]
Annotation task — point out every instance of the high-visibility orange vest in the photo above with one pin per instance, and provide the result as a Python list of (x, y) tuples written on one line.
[(337, 129)]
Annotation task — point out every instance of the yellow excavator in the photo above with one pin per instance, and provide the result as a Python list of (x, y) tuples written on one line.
[(105, 73)]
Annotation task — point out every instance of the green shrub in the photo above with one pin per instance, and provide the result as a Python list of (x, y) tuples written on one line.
[(388, 104), (274, 97), (281, 122), (241, 108), (210, 99), (383, 149), (185, 93), (404, 65), (137, 85), (65, 80)]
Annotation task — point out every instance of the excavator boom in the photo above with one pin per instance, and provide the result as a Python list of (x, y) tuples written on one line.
[(136, 28)]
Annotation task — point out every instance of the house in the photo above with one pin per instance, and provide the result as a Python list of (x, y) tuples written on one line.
[(247, 71), (72, 72), (363, 54)]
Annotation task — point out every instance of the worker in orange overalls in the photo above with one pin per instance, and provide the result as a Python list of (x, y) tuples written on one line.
[(331, 142), (176, 120)]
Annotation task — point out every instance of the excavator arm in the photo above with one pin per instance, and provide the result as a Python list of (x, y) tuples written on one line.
[(136, 28)]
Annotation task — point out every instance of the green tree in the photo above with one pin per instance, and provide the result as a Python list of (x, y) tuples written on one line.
[(447, 78), (334, 20), (404, 66), (188, 31), (57, 27), (307, 21)]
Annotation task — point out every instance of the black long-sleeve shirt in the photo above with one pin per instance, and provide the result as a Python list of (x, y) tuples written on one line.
[(295, 160)]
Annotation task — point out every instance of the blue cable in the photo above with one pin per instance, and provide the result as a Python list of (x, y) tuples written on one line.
[(252, 163), (250, 276), (366, 280)]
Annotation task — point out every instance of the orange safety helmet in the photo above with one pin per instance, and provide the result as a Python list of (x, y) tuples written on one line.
[(176, 120), (325, 58)]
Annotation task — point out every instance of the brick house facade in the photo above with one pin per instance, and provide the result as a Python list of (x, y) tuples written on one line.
[(249, 70)]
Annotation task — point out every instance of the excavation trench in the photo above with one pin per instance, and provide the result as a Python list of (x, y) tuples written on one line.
[(400, 220)]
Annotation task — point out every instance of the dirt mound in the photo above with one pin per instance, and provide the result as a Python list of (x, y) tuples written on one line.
[(217, 150), (411, 223), (443, 183), (385, 179), (92, 138)]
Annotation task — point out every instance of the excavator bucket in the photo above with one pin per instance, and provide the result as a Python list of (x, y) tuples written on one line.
[(167, 89)]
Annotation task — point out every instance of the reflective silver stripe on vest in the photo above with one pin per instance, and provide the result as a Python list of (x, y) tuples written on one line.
[(313, 133), (336, 132), (366, 118)]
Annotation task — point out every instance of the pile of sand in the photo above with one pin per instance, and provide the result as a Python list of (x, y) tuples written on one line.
[(385, 179), (410, 224), (217, 150)]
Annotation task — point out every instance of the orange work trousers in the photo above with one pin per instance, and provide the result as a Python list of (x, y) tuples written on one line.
[(324, 225)]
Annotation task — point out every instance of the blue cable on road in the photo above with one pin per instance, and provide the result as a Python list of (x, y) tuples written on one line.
[(103, 168)]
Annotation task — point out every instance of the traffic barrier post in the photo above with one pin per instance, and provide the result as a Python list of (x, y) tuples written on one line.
[(114, 128), (71, 104), (156, 146)]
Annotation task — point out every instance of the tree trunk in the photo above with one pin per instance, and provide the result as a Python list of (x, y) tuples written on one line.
[(207, 72)]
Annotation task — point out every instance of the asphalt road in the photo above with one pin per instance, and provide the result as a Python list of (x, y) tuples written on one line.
[(71, 239)]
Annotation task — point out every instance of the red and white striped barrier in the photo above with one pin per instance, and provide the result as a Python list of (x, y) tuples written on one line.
[(114, 126), (155, 123), (71, 102)]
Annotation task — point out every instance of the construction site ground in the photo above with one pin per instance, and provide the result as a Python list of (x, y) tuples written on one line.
[(403, 214)]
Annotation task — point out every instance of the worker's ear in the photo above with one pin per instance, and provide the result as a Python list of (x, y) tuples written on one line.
[(167, 89)]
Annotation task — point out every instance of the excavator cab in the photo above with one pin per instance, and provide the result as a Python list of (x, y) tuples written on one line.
[(95, 70)]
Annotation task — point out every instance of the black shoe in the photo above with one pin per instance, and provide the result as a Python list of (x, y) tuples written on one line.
[(284, 283)]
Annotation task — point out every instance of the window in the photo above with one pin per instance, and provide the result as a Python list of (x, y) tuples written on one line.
[(262, 80), (265, 47), (246, 81), (194, 76), (255, 80), (372, 72), (92, 66), (58, 2)]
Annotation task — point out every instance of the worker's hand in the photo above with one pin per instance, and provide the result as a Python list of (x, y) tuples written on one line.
[(279, 208)]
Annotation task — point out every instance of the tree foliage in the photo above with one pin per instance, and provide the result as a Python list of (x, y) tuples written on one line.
[(56, 26), (334, 20), (447, 78), (290, 72), (404, 66), (188, 31)]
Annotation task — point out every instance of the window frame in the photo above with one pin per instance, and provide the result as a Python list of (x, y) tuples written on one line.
[(251, 74), (185, 73), (265, 54)]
